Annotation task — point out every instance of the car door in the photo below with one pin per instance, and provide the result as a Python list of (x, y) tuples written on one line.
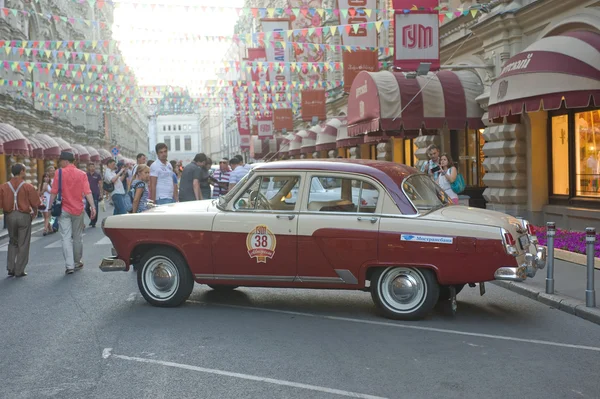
[(338, 228), (255, 239)]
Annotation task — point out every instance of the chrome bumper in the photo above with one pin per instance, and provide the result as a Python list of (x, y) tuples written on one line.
[(533, 262), (112, 264)]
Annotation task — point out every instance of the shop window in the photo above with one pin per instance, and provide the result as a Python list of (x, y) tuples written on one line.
[(468, 145), (187, 143), (177, 143), (574, 155), (410, 148), (560, 155), (168, 142)]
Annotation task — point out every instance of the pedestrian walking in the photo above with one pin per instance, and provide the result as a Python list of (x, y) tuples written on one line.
[(190, 187), (221, 178), (238, 170), (19, 201), (72, 184), (44, 192), (113, 183), (162, 188), (139, 189), (141, 160), (95, 182)]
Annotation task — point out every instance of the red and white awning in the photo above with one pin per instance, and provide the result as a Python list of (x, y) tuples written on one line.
[(552, 70), (104, 155), (309, 139), (84, 155), (63, 145), (391, 103), (342, 140), (326, 138), (35, 148), (285, 144), (94, 155), (296, 143), (13, 141), (50, 148)]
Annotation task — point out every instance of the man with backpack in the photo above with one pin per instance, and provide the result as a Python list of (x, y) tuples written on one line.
[(19, 201), (113, 184)]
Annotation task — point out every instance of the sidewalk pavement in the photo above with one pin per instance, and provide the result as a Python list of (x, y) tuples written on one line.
[(570, 282)]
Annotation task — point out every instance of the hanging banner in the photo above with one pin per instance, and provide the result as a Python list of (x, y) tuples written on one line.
[(357, 14), (258, 55), (358, 61), (313, 105), (283, 119), (245, 143), (416, 35), (304, 24), (277, 52)]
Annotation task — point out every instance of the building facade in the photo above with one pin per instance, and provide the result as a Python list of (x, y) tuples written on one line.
[(39, 117), (181, 134)]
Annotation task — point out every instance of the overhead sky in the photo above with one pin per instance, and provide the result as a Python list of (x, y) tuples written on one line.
[(153, 41)]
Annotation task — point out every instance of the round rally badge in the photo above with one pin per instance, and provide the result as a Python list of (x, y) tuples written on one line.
[(261, 243)]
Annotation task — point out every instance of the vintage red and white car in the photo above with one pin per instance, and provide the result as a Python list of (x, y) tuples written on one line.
[(382, 227)]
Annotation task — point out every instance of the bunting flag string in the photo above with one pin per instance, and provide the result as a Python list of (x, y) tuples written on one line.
[(51, 66)]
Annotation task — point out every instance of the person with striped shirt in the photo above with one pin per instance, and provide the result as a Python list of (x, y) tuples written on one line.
[(221, 178)]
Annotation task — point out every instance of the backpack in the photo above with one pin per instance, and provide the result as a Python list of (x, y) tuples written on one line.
[(458, 185)]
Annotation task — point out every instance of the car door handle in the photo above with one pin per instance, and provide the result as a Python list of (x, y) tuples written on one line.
[(289, 217), (372, 220)]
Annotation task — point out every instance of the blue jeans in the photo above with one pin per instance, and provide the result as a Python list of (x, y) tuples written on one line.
[(119, 203), (165, 201)]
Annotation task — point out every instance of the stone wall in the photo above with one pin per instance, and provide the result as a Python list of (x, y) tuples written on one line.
[(384, 151)]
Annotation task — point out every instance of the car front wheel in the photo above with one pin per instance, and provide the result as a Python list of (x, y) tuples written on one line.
[(164, 278), (404, 293)]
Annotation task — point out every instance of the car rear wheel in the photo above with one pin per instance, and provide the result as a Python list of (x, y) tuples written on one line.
[(404, 293), (164, 278), (219, 287)]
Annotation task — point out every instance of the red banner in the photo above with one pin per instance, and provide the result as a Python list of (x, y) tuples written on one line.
[(358, 61), (283, 119), (313, 104), (258, 55), (416, 35)]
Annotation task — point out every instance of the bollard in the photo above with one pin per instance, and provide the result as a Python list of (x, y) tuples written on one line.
[(550, 232), (590, 243)]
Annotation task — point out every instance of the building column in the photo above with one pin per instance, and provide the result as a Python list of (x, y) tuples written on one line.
[(384, 151), (331, 154), (354, 153), (505, 164)]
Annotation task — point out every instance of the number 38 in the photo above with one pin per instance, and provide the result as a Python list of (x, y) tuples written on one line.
[(261, 241)]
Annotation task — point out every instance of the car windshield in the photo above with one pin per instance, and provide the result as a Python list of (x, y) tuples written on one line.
[(224, 199), (424, 194)]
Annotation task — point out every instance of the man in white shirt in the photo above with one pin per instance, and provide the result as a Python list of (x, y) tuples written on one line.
[(162, 188), (239, 170), (118, 193)]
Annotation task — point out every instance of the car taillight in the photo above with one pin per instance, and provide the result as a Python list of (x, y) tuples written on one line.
[(530, 231), (509, 242)]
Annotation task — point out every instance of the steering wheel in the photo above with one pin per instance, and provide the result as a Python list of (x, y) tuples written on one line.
[(262, 200)]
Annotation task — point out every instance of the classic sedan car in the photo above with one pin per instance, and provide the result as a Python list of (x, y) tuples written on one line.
[(411, 248)]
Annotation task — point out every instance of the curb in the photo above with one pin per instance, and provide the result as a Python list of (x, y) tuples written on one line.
[(574, 257), (36, 222), (560, 302)]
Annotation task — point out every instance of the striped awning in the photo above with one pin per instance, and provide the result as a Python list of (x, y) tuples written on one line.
[(309, 140), (13, 141), (104, 155), (296, 143), (326, 139), (555, 69), (94, 155), (285, 144), (391, 103), (63, 145), (84, 154), (342, 139), (35, 148), (50, 148)]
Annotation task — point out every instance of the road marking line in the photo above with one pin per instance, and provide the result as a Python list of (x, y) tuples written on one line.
[(103, 241), (58, 243), (406, 326), (4, 247), (106, 353)]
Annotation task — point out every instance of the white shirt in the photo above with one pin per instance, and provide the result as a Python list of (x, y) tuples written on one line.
[(164, 182), (238, 173), (108, 176), (445, 185)]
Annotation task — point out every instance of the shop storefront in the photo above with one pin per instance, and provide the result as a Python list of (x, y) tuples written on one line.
[(551, 92)]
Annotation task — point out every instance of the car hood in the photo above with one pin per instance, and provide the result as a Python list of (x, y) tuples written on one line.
[(464, 214), (184, 207)]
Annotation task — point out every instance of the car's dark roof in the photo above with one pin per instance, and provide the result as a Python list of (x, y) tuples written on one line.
[(390, 174)]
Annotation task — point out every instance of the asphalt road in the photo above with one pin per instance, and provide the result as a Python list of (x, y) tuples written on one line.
[(91, 335)]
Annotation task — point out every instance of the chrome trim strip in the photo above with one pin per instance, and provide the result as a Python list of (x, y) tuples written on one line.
[(325, 280), (244, 277), (347, 276)]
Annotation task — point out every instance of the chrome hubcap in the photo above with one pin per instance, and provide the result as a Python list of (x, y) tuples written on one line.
[(160, 278), (403, 289), (163, 278)]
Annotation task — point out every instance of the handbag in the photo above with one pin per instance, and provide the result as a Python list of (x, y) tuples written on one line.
[(56, 210), (458, 185), (108, 187)]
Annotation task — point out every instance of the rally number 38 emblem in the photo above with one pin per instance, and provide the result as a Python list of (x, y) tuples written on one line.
[(261, 243)]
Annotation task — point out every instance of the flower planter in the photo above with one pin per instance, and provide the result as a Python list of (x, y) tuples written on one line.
[(569, 245)]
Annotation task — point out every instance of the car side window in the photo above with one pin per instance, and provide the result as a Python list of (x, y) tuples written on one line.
[(342, 195), (277, 193)]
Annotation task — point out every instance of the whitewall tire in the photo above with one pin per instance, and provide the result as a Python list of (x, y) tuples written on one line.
[(404, 293)]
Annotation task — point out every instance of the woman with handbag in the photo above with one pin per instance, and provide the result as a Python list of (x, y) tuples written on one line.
[(448, 175), (45, 188)]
